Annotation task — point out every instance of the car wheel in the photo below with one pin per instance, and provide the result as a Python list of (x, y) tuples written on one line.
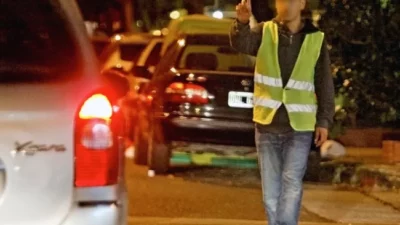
[(313, 167), (159, 154), (141, 148)]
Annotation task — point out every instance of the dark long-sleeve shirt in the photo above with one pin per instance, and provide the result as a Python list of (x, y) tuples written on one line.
[(248, 40)]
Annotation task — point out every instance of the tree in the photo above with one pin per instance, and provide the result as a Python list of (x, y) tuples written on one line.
[(364, 47), (155, 13)]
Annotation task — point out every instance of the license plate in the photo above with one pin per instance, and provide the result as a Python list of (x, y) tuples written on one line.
[(237, 99)]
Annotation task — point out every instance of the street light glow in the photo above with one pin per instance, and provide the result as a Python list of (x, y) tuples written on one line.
[(182, 42), (157, 32), (175, 14), (118, 37), (218, 14)]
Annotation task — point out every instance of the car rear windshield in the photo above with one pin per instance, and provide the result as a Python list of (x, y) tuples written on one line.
[(99, 47), (131, 51), (215, 54), (34, 41), (154, 56)]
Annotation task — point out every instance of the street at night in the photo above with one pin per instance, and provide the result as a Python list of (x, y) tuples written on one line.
[(199, 112), (206, 196)]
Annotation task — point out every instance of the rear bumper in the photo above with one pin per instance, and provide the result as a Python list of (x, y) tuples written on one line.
[(206, 130), (104, 214)]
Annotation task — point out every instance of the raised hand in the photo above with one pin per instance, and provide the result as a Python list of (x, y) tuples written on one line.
[(243, 11)]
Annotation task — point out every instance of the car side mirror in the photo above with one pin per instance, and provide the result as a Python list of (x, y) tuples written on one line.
[(117, 80), (142, 71)]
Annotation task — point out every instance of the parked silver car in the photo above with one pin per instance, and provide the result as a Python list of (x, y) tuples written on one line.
[(60, 136)]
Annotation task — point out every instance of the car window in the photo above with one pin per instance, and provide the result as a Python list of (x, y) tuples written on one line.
[(213, 57), (131, 51), (154, 56), (34, 41), (99, 47), (167, 61)]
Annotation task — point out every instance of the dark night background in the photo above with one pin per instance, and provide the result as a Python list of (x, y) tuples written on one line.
[(363, 41)]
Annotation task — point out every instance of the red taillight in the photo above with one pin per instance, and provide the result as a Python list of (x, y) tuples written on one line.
[(95, 107), (186, 92), (96, 143)]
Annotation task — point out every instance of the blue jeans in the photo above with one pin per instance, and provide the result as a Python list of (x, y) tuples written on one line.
[(283, 162)]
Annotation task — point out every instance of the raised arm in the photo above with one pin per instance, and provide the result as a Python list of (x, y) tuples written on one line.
[(246, 38)]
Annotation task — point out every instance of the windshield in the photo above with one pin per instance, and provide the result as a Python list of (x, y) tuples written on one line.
[(33, 40), (131, 51), (99, 47), (214, 58), (154, 56)]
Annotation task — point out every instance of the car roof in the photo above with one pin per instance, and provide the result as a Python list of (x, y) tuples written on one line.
[(127, 38), (195, 24), (214, 72), (206, 39), (133, 38), (199, 24), (158, 39), (96, 38)]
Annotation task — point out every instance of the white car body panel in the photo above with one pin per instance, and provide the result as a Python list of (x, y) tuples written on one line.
[(37, 187)]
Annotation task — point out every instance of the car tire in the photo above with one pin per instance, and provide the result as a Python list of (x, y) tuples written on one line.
[(313, 167), (141, 148), (159, 159), (159, 154)]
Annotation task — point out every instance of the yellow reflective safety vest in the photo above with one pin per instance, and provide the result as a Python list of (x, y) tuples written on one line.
[(298, 96)]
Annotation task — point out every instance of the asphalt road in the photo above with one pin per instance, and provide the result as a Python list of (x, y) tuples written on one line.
[(188, 193), (222, 196)]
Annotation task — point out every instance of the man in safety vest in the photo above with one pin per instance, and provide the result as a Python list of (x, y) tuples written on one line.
[(293, 98)]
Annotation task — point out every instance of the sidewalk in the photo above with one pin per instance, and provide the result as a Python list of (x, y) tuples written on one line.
[(364, 168), (347, 206), (390, 198)]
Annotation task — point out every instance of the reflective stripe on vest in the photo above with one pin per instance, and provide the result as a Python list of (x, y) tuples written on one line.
[(301, 85), (265, 102), (301, 108), (266, 80), (298, 96)]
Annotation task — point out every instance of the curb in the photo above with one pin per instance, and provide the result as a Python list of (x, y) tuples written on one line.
[(369, 176), (378, 178), (368, 179)]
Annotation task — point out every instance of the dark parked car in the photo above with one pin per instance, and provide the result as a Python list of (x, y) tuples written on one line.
[(201, 91)]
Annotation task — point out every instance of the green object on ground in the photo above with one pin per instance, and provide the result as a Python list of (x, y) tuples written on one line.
[(212, 159)]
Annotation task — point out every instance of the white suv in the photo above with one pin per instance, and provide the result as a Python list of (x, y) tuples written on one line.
[(60, 134)]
